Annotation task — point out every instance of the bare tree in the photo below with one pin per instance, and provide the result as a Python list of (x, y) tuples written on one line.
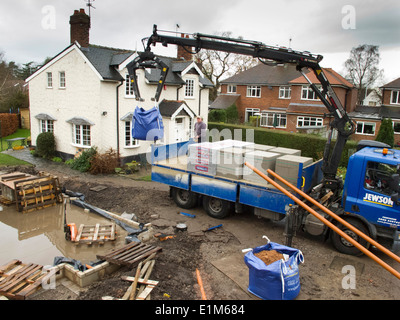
[(363, 68), (217, 65)]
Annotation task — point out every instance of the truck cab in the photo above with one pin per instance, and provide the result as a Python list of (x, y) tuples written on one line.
[(371, 192)]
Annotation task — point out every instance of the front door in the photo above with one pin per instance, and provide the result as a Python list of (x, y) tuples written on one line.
[(180, 130)]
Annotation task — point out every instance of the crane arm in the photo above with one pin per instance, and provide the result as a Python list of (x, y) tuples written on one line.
[(303, 60)]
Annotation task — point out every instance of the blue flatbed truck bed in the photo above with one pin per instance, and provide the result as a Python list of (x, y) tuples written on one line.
[(169, 166), (370, 199)]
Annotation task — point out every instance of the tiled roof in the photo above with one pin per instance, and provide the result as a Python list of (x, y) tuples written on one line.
[(333, 77), (395, 84), (224, 101), (306, 108), (104, 60), (282, 75), (175, 69), (169, 107), (263, 74)]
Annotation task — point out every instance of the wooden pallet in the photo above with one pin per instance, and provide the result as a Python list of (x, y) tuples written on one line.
[(18, 280), (30, 192), (37, 193), (130, 254), (95, 233)]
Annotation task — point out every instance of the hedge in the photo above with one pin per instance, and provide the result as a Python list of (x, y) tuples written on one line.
[(310, 145), (9, 123)]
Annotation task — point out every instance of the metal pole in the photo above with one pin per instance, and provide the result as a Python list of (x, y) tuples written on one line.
[(336, 217), (323, 220)]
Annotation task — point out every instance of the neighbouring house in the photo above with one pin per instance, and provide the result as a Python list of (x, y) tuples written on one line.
[(369, 117), (373, 98), (82, 95), (282, 98), (391, 105)]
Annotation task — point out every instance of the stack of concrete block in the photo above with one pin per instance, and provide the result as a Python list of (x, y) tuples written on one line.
[(261, 160), (284, 151), (288, 167), (230, 162), (263, 147), (258, 147)]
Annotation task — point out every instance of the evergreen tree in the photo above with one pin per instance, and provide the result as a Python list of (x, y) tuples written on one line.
[(386, 132)]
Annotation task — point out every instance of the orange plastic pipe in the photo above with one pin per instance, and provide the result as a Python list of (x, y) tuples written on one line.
[(325, 221), (200, 282), (336, 217)]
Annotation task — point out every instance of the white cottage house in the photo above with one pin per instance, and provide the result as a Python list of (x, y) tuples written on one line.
[(82, 96)]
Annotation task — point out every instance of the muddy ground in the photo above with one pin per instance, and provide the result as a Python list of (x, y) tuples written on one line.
[(218, 253)]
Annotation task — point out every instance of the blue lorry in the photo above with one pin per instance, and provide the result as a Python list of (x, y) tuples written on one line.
[(369, 198)]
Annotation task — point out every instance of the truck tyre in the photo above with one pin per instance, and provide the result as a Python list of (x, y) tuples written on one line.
[(217, 208), (183, 198), (343, 246)]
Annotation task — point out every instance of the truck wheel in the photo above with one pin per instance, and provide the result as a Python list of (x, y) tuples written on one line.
[(344, 246), (184, 198), (217, 208)]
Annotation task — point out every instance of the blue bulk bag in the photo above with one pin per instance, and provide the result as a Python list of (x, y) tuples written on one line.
[(147, 124), (278, 281)]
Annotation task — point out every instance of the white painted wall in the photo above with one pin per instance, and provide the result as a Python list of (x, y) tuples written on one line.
[(87, 96)]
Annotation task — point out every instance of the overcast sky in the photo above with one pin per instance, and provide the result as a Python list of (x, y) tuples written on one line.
[(31, 30)]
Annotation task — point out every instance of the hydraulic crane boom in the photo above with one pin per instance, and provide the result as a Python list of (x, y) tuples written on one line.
[(342, 123)]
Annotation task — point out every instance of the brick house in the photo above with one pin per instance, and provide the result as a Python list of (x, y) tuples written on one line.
[(82, 96), (282, 98), (391, 105)]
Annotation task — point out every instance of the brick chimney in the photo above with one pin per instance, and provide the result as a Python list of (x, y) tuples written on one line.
[(80, 26), (184, 53)]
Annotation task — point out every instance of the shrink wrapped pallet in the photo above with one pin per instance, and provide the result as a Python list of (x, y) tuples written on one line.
[(203, 158)]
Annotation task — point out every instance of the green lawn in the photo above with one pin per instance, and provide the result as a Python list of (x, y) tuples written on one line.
[(6, 160), (18, 134)]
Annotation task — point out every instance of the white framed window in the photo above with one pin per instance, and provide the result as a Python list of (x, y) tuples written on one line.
[(129, 87), (46, 126), (189, 88), (253, 91), (272, 119), (396, 127), (395, 98), (129, 141), (62, 81), (49, 80), (81, 135), (250, 112), (232, 88), (304, 122), (366, 128), (307, 93), (285, 92)]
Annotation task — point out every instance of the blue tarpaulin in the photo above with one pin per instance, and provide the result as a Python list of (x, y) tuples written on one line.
[(147, 124)]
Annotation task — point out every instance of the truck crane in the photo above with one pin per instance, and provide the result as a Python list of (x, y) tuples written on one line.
[(373, 208)]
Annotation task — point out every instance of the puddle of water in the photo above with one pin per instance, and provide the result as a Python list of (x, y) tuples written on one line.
[(38, 236)]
